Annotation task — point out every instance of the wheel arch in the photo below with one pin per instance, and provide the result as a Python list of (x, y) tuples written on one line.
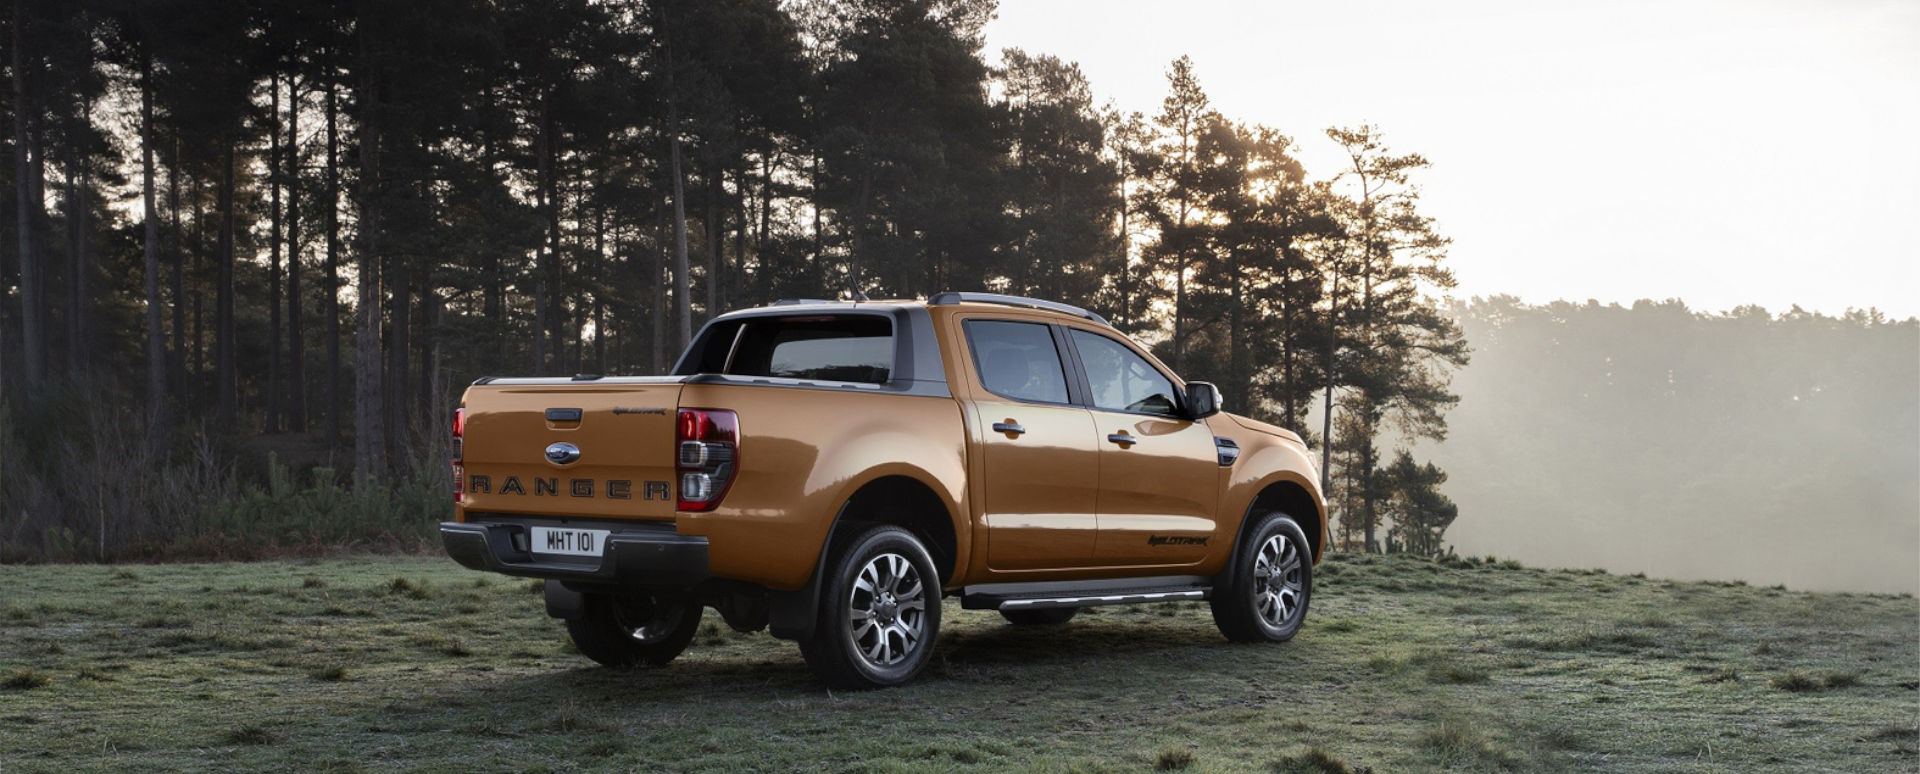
[(906, 502), (1294, 499)]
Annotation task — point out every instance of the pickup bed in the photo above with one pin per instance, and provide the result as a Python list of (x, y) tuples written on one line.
[(832, 470)]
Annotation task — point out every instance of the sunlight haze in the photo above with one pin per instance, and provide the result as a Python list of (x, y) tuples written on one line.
[(1721, 153)]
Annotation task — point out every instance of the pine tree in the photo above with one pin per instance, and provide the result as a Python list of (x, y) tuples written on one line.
[(1419, 512), (1062, 194), (1394, 346), (1170, 169)]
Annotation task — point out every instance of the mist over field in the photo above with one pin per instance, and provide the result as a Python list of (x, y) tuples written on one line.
[(1775, 450)]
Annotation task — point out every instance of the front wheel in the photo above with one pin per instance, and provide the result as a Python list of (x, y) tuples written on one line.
[(879, 613), (1264, 596), (629, 629)]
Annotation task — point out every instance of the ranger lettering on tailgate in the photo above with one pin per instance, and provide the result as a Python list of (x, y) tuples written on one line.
[(618, 489)]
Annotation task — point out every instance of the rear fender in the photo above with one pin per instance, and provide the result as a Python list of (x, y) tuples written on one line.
[(794, 613)]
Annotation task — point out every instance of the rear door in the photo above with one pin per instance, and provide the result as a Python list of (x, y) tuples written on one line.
[(1041, 467), (1159, 472), (619, 431)]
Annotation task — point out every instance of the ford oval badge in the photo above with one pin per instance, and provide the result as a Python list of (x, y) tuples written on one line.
[(562, 453)]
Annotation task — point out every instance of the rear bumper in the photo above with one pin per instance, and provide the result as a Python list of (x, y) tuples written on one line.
[(644, 555)]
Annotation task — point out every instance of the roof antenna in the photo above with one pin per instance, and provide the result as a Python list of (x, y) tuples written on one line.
[(854, 290)]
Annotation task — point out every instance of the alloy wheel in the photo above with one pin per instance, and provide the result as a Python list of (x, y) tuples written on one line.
[(887, 610), (1277, 580)]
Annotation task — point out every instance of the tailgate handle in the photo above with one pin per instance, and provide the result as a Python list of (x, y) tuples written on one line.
[(563, 415)]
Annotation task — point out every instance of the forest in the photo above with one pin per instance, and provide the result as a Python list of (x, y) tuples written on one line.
[(254, 249), (257, 247)]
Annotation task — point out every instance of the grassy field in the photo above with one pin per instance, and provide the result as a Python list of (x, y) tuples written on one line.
[(1404, 665)]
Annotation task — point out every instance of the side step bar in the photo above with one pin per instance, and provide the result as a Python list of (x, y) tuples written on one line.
[(1125, 591)]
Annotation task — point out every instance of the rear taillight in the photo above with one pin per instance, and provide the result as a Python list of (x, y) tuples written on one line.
[(707, 453), (459, 454)]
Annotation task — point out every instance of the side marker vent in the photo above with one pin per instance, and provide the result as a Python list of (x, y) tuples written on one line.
[(1228, 451)]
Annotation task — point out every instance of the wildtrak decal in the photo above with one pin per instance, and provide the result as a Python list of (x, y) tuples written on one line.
[(1175, 540), (549, 486)]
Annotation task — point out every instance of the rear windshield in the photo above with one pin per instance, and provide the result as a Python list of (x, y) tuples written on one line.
[(849, 348)]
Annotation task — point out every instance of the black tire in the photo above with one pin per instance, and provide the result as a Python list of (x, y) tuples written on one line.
[(882, 592), (1052, 616), (1254, 604), (630, 629)]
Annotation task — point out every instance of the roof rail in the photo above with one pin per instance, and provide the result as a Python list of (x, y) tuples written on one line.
[(799, 301), (951, 297)]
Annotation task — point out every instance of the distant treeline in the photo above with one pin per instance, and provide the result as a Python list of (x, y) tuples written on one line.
[(1774, 449), (254, 248)]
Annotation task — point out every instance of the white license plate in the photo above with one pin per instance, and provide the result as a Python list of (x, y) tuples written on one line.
[(569, 542)]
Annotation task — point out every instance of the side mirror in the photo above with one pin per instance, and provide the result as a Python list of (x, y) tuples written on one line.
[(1203, 400)]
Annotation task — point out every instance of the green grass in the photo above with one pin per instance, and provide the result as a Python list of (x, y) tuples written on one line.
[(1404, 665)]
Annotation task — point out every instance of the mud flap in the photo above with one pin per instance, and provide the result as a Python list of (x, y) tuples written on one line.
[(794, 615)]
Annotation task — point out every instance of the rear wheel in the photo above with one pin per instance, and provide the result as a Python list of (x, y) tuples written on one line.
[(628, 629), (879, 613), (1048, 617), (1264, 597)]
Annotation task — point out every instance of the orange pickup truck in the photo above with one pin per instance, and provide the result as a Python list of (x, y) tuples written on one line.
[(832, 470)]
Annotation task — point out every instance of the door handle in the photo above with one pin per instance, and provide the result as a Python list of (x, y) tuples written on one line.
[(1010, 428), (1123, 439)]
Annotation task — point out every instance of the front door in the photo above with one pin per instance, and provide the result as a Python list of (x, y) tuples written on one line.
[(1159, 472), (1041, 466)]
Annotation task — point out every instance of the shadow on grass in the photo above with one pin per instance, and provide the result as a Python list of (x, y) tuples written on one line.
[(975, 666)]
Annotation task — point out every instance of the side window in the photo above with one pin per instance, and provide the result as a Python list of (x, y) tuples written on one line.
[(1017, 360), (1122, 380)]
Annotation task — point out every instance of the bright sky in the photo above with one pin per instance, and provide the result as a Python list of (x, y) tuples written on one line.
[(1722, 152)]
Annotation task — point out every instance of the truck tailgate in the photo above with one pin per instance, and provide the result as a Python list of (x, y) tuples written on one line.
[(622, 430)]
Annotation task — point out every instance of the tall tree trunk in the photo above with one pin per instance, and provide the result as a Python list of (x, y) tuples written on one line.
[(715, 227), (854, 285), (1126, 249), (296, 408), (369, 437), (1180, 313), (495, 305), (76, 206), (156, 343), (541, 321), (682, 284), (273, 253), (32, 334), (556, 286), (429, 346), (37, 150), (226, 375), (737, 269), (1368, 503), (399, 278), (599, 297), (766, 274), (819, 225), (199, 390), (1289, 285), (333, 267), (1326, 407), (1239, 350), (178, 368), (656, 360)]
